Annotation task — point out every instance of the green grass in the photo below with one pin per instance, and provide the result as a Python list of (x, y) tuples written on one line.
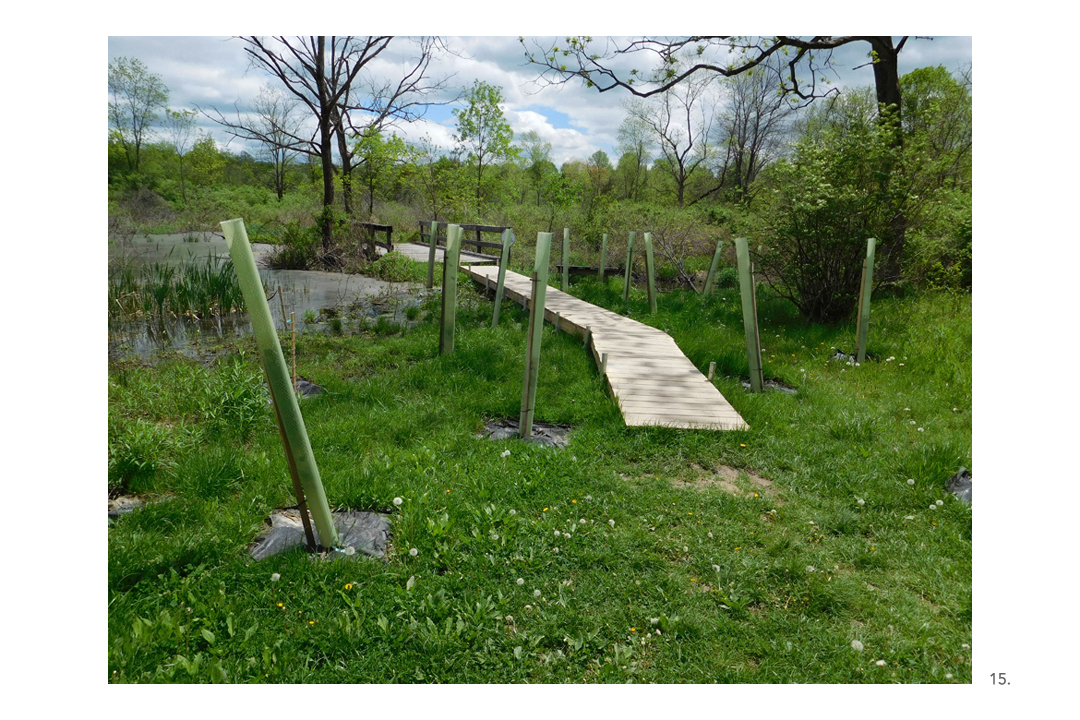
[(671, 578)]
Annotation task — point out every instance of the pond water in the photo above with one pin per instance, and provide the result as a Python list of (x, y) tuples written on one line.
[(303, 292)]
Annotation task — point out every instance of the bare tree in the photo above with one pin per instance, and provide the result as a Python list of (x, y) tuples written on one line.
[(752, 127), (681, 121), (635, 143), (180, 126), (276, 125), (331, 78)]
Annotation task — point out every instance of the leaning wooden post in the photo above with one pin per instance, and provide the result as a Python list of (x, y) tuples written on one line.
[(603, 256), (565, 259), (292, 324), (449, 288), (749, 308), (713, 267), (504, 259), (431, 254), (864, 299), (536, 327), (629, 258), (294, 436), (650, 270)]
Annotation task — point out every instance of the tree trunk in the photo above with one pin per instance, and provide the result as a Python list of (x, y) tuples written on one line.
[(887, 86), (326, 138)]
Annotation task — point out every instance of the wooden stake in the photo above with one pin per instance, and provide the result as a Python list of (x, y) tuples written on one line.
[(749, 307), (603, 256), (536, 326), (865, 291), (629, 258), (603, 364), (449, 289), (712, 268), (650, 270), (292, 321), (712, 370), (281, 298), (588, 337)]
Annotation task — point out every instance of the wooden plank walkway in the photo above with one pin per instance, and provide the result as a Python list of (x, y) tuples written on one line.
[(650, 378)]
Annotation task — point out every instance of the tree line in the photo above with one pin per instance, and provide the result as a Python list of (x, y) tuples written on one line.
[(739, 146)]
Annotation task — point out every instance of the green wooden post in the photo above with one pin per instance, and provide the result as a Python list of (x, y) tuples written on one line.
[(507, 241), (431, 254), (650, 270), (629, 258), (713, 267), (536, 327), (449, 288), (566, 259), (749, 308), (864, 299), (603, 256), (295, 438)]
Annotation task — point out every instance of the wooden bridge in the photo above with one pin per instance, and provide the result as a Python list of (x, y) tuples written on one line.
[(650, 378)]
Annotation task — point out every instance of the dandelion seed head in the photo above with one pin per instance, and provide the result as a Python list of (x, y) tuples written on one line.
[(939, 502), (921, 430), (536, 593), (911, 481), (710, 534), (521, 581), (513, 512), (398, 501), (505, 453), (275, 577), (861, 501), (349, 550), (611, 523), (933, 506), (881, 663), (414, 552), (809, 568), (716, 568), (856, 645)]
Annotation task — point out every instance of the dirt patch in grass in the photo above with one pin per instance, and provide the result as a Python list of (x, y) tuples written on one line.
[(741, 482)]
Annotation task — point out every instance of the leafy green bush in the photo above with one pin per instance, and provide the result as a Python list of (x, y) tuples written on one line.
[(299, 248), (395, 267), (235, 400)]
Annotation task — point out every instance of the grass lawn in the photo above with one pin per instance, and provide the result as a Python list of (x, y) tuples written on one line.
[(820, 546)]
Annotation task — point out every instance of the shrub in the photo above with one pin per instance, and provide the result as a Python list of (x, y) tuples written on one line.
[(299, 248)]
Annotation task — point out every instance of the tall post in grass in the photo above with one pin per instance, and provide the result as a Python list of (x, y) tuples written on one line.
[(291, 422), (712, 268), (536, 327), (629, 259), (431, 254), (507, 241), (449, 288), (864, 299), (565, 259), (749, 309), (650, 270), (603, 257)]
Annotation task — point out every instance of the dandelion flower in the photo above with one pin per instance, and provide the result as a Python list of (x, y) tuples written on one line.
[(349, 550), (881, 663), (521, 581), (536, 593), (414, 552), (398, 501), (911, 481), (348, 586), (939, 502), (582, 521), (275, 577), (513, 512), (557, 533), (933, 506), (555, 549), (567, 535), (856, 645), (506, 453)]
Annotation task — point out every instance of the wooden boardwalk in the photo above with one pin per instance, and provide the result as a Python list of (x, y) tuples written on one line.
[(650, 378)]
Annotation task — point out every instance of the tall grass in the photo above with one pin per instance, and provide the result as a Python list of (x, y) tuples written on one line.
[(194, 288)]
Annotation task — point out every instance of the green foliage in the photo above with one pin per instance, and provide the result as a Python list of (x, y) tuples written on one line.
[(299, 247), (483, 131), (822, 204), (136, 96), (395, 267)]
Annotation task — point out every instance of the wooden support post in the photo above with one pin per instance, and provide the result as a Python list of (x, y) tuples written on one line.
[(504, 260), (629, 258), (650, 270), (749, 308), (292, 322), (536, 327), (588, 337), (449, 288), (603, 364), (558, 322), (712, 370), (603, 256), (566, 259), (431, 254), (712, 268), (864, 299)]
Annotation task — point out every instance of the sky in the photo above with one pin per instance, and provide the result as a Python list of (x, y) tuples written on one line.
[(213, 72)]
